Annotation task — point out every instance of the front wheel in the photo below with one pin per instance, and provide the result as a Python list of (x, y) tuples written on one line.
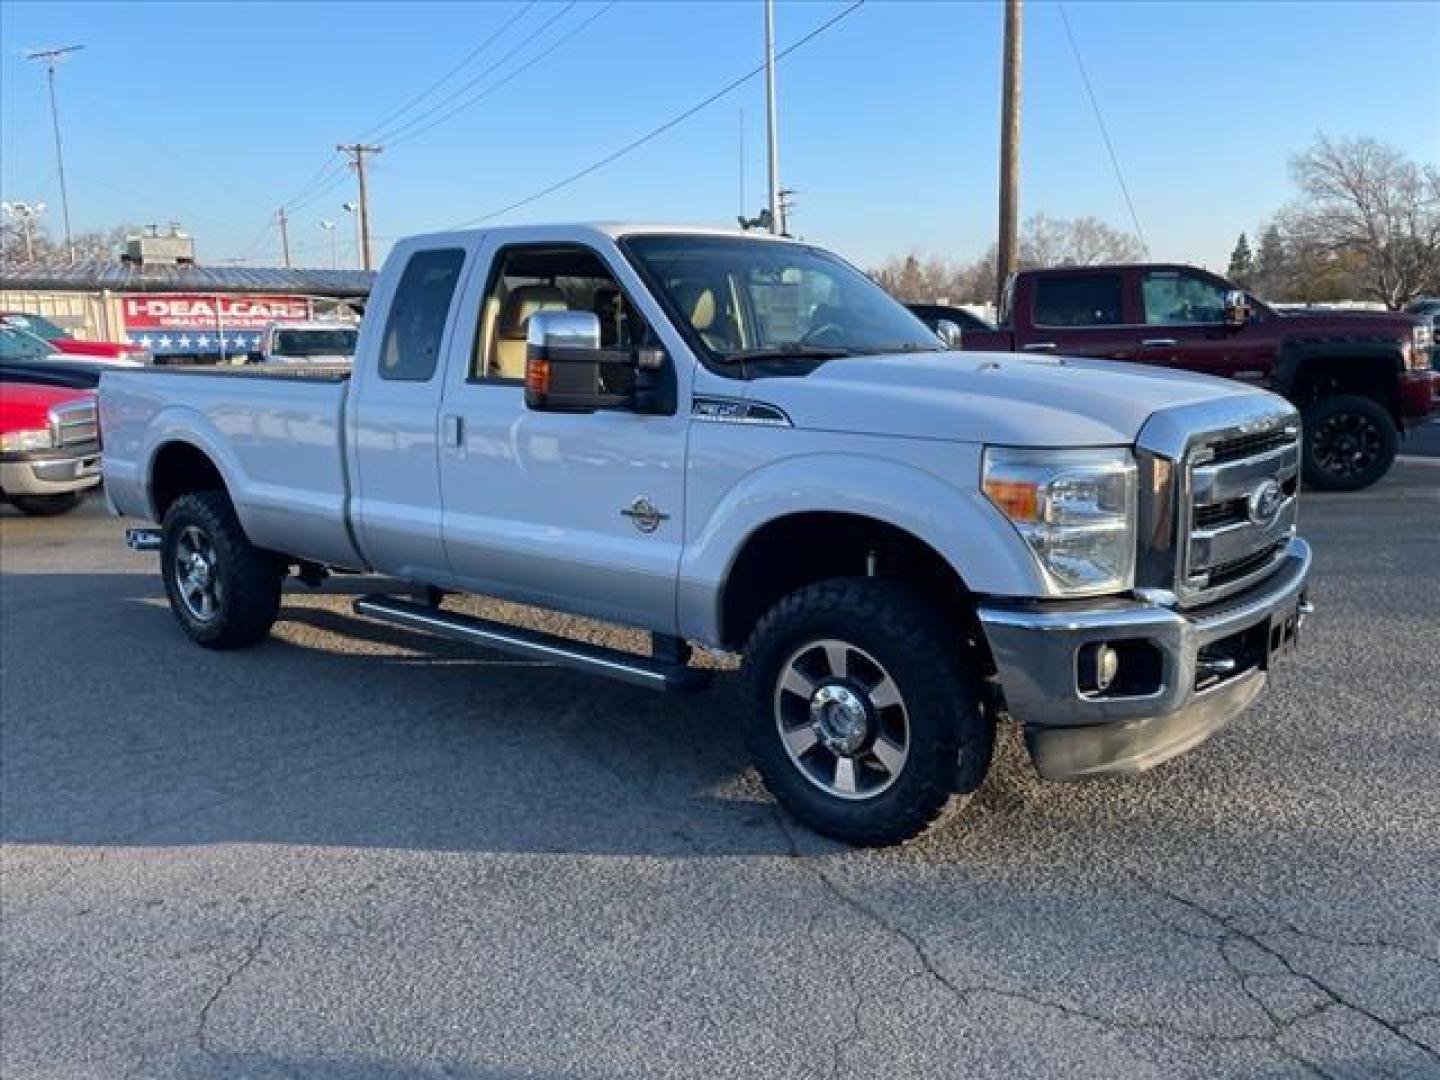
[(224, 591), (866, 717), (1350, 442), (47, 505)]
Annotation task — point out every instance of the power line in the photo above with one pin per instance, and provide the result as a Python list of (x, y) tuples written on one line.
[(471, 55), (1104, 131), (656, 132), (331, 174), (417, 125)]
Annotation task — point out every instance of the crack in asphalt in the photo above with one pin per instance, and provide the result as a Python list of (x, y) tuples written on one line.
[(252, 952), (1334, 997), (1280, 1024)]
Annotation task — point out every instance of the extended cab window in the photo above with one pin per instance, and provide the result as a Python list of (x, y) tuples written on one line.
[(1078, 300), (410, 350), (1173, 296), (549, 277)]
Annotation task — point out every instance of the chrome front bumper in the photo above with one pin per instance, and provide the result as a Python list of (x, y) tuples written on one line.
[(48, 474), (1074, 735)]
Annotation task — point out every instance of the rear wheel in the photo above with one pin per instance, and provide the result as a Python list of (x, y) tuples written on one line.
[(866, 716), (1350, 442), (224, 591), (47, 505)]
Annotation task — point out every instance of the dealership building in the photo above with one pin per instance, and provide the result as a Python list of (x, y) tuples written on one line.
[(155, 296)]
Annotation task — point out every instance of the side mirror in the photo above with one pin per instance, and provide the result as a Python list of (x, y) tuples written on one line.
[(566, 370), (562, 361), (1237, 308), (949, 332)]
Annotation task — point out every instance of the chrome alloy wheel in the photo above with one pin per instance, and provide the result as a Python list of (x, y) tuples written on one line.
[(842, 719), (196, 579)]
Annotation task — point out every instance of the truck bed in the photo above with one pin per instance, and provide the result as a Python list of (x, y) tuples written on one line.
[(277, 437)]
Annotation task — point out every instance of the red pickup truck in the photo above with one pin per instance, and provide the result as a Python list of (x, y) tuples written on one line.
[(67, 344), (1359, 377), (49, 446)]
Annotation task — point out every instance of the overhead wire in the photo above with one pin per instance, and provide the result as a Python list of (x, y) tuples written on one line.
[(471, 55), (417, 125), (1104, 129), (661, 129)]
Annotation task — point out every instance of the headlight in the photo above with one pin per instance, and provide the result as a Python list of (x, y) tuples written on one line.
[(15, 442), (1076, 510)]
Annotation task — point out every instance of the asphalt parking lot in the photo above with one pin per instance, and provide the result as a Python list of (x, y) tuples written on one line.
[(347, 854)]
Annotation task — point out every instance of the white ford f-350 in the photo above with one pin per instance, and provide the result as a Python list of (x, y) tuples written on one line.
[(744, 443)]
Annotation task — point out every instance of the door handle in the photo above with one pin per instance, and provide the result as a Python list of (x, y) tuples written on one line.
[(1039, 346), (1159, 343), (452, 430)]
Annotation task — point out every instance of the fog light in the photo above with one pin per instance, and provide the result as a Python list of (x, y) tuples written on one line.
[(1097, 667)]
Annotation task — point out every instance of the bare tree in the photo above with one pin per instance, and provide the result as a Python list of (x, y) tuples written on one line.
[(1044, 241), (1367, 208), (1082, 241)]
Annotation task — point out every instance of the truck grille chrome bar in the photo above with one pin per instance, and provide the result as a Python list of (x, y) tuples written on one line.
[(1221, 502), (75, 423)]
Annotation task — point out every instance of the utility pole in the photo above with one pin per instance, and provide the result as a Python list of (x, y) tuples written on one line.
[(774, 135), (1009, 149), (50, 57), (284, 236), (357, 152)]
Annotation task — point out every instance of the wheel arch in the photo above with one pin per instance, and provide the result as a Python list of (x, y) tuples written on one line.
[(1309, 370), (784, 509)]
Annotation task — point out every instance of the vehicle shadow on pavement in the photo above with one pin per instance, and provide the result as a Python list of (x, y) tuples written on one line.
[(339, 731)]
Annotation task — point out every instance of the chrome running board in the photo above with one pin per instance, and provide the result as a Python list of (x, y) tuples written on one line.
[(628, 667)]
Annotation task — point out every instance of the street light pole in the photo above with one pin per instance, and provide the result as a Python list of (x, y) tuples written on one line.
[(49, 57), (25, 213), (352, 209), (329, 227)]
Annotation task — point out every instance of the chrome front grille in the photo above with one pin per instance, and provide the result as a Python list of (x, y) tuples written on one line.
[(1238, 510), (1219, 487), (75, 424)]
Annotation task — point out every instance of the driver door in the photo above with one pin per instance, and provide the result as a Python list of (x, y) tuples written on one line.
[(550, 508)]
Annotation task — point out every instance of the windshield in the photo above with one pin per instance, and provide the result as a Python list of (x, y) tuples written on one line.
[(753, 299), (36, 325), (337, 342), (18, 345)]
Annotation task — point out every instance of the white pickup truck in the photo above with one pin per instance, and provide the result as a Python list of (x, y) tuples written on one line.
[(742, 442)]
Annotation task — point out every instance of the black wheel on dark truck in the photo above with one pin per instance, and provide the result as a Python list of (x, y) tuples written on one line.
[(866, 716), (224, 591), (47, 505), (1350, 442)]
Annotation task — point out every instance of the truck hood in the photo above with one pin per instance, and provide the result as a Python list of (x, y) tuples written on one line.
[(1001, 398)]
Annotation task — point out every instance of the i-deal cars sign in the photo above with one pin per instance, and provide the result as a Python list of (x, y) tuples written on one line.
[(195, 323)]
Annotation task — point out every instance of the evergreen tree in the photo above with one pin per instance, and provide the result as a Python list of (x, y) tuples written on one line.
[(1242, 262)]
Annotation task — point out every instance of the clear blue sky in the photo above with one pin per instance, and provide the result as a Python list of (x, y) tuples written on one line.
[(213, 114)]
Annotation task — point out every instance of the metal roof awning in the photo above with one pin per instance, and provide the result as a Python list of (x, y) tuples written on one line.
[(96, 275)]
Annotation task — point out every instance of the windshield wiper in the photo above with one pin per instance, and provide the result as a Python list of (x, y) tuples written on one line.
[(796, 351)]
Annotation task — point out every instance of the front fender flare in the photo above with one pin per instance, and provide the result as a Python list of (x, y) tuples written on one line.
[(959, 523)]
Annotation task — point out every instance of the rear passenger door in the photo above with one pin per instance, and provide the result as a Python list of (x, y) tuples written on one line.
[(396, 403), (1081, 313)]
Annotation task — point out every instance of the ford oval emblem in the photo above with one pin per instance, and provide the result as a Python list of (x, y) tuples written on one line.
[(1264, 503)]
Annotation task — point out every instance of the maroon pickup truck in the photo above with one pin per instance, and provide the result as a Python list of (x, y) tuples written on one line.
[(1359, 377)]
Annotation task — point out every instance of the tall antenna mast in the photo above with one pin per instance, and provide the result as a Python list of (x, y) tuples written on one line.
[(50, 58)]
